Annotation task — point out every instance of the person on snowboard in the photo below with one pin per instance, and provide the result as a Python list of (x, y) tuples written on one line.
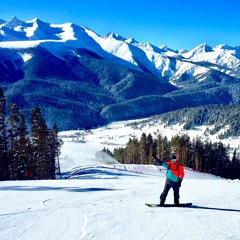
[(175, 175)]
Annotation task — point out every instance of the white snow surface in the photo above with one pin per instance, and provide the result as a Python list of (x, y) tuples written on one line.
[(103, 201)]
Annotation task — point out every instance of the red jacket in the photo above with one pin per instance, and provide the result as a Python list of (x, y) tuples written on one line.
[(175, 171)]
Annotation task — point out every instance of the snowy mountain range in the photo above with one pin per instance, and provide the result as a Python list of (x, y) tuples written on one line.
[(160, 61), (109, 77)]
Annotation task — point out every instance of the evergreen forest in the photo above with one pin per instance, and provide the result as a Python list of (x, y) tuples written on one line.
[(207, 157), (27, 153)]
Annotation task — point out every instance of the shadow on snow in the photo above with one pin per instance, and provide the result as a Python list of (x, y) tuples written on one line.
[(46, 188), (105, 172), (213, 208)]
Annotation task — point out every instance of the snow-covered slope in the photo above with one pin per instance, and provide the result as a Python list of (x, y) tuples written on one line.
[(102, 201), (160, 61), (111, 205)]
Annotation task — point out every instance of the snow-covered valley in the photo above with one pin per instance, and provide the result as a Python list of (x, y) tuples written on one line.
[(80, 146)]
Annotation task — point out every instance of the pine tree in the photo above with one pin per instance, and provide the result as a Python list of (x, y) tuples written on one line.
[(235, 166), (159, 147), (150, 158), (132, 151), (222, 159), (19, 149), (56, 144), (198, 150), (143, 149), (162, 145), (176, 145), (149, 148), (41, 149), (18, 166), (208, 155), (166, 149), (4, 163), (118, 155), (185, 142), (24, 171)]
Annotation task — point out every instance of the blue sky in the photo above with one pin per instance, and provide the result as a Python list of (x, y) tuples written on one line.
[(176, 23)]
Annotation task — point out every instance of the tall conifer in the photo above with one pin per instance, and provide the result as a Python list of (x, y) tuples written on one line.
[(4, 163)]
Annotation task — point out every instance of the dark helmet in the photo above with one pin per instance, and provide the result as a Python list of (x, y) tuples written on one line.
[(173, 159)]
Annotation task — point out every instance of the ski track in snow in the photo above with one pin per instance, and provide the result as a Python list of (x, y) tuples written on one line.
[(58, 222), (84, 232)]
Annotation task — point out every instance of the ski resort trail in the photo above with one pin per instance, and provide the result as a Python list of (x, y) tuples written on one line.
[(110, 205)]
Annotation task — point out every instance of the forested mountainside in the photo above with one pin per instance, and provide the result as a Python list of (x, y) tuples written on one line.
[(82, 80), (221, 120)]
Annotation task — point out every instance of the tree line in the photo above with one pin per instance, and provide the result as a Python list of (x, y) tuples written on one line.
[(27, 153), (217, 117), (203, 156)]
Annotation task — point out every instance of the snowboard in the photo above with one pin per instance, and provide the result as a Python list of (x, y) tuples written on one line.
[(169, 205)]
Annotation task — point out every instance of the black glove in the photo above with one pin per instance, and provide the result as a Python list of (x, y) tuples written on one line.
[(155, 160), (179, 182)]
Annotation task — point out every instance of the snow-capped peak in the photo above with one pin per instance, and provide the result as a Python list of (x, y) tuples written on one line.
[(115, 36), (37, 21), (204, 48), (33, 20), (131, 41), (150, 47), (164, 48), (200, 49), (13, 22), (224, 47)]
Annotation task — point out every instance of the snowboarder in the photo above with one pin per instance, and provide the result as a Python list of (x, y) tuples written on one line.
[(175, 175)]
